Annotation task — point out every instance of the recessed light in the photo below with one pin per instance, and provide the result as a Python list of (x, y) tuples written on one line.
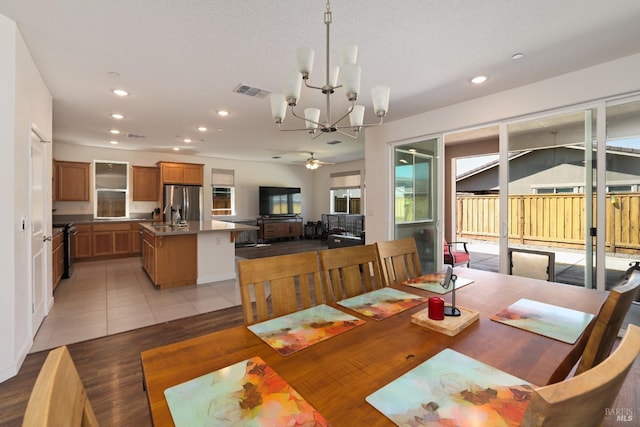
[(176, 148), (202, 129), (113, 142), (223, 113), (517, 55), (117, 116), (479, 79), (120, 92), (114, 131), (187, 140)]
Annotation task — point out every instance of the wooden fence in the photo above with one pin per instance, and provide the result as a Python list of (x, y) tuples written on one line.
[(551, 220)]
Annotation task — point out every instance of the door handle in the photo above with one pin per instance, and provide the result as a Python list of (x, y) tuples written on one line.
[(46, 238)]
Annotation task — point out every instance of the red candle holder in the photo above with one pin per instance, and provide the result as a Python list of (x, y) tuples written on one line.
[(436, 308)]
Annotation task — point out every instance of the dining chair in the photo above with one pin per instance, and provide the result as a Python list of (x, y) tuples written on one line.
[(279, 285), (350, 271), (399, 260), (456, 253), (58, 397), (608, 322), (583, 400), (532, 263)]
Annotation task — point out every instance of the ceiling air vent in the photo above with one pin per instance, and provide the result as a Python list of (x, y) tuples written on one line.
[(251, 91), (334, 142), (133, 135)]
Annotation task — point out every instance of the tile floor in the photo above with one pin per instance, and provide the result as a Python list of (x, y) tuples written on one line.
[(107, 297)]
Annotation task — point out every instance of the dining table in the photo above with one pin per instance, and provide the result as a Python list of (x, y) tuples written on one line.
[(336, 375)]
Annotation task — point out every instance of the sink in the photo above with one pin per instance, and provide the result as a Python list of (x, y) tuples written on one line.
[(162, 227)]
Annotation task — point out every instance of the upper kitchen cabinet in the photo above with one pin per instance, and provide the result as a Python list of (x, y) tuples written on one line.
[(71, 181), (145, 183), (181, 173)]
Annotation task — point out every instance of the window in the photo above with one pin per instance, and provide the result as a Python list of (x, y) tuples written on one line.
[(345, 192), (223, 192), (111, 189)]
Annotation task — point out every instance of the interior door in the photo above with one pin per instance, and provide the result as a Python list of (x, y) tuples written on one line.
[(39, 238)]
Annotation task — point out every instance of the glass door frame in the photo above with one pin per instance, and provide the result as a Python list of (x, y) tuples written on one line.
[(597, 122), (437, 178)]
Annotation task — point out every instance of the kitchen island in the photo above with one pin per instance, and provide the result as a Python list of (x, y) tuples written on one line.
[(192, 253)]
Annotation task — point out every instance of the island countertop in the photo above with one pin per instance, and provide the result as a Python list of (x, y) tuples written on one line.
[(195, 227)]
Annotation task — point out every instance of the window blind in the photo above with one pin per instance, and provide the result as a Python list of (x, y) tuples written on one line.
[(342, 180), (223, 177)]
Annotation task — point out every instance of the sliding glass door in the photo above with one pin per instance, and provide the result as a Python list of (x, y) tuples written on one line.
[(550, 203), (415, 198)]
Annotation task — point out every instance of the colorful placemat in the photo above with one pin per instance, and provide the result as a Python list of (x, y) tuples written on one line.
[(560, 323), (431, 282), (248, 393), (452, 389), (295, 331), (382, 303)]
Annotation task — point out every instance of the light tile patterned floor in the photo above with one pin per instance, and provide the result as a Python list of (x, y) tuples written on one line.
[(107, 297)]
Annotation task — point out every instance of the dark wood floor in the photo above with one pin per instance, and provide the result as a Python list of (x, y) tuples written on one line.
[(111, 372)]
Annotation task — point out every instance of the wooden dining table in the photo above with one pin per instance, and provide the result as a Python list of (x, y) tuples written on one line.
[(336, 375)]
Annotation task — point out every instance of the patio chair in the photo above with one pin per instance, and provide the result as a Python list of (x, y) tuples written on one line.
[(456, 253), (58, 397), (279, 285), (399, 260), (533, 264)]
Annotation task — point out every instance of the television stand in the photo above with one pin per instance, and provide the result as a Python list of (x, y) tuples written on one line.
[(279, 227)]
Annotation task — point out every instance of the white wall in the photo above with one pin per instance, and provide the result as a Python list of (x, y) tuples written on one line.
[(24, 101), (601, 81)]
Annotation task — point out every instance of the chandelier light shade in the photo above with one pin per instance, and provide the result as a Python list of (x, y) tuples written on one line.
[(346, 76)]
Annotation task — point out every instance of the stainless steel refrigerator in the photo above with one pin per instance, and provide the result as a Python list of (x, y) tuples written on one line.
[(185, 200)]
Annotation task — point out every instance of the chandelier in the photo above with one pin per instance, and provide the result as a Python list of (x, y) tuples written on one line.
[(346, 76)]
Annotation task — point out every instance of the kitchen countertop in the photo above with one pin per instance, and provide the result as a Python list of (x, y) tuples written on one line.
[(194, 227)]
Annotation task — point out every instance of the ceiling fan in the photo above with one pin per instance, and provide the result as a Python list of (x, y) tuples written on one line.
[(313, 163)]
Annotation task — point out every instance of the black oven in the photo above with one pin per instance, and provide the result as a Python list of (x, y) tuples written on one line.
[(69, 233)]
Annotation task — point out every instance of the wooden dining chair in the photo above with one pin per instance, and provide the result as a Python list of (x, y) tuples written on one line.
[(279, 285), (608, 322), (532, 263), (399, 260), (350, 271), (582, 400), (58, 397)]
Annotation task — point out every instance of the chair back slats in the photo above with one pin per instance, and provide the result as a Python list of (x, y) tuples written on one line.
[(582, 400), (608, 322), (350, 271), (399, 260), (279, 285), (58, 397)]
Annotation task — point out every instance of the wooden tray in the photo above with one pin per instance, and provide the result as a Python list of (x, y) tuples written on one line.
[(451, 325)]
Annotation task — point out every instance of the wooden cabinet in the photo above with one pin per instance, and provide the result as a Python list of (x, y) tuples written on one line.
[(181, 173), (171, 260), (57, 256), (145, 183), (71, 180), (136, 238), (82, 242), (113, 239), (279, 228)]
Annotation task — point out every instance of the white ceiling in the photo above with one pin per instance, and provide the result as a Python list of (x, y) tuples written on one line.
[(181, 59)]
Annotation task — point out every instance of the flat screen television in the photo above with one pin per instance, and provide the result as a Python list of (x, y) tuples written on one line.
[(280, 201)]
